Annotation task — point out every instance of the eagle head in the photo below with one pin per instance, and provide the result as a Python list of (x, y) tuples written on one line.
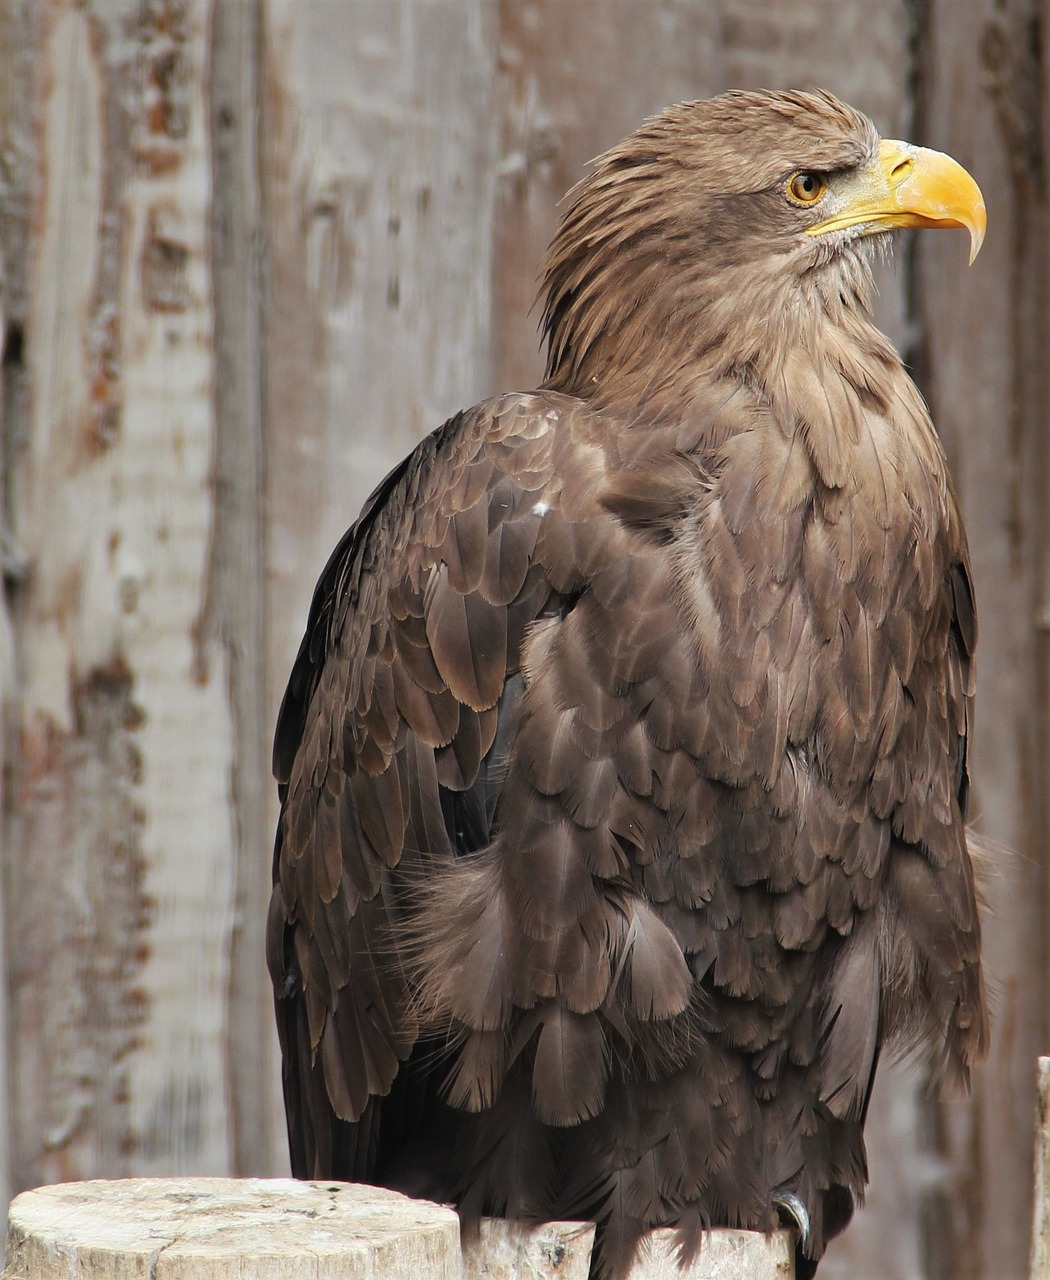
[(728, 225)]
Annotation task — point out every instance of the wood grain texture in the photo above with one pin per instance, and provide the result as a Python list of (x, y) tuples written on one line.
[(574, 79), (222, 1229), (724, 1255), (12, 103), (276, 1229), (233, 615), (380, 162), (507, 1251), (77, 898), (122, 878)]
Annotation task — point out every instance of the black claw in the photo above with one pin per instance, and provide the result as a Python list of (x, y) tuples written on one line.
[(792, 1207)]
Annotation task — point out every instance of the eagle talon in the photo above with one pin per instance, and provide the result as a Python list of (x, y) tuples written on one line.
[(790, 1207)]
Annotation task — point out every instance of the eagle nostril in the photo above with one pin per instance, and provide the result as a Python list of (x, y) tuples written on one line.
[(901, 170)]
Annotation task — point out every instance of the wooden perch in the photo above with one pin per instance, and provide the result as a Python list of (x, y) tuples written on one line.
[(214, 1228), (279, 1229)]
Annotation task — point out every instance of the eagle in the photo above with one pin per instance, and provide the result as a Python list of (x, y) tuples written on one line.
[(623, 764)]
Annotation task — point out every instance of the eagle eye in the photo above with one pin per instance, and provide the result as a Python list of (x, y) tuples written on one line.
[(806, 187)]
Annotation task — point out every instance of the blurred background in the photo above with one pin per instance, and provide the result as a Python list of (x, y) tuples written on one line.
[(252, 250)]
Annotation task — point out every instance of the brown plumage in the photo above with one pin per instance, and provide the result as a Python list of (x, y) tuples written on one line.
[(623, 764)]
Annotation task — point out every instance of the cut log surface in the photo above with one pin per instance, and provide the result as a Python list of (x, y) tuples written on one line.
[(280, 1229), (207, 1228)]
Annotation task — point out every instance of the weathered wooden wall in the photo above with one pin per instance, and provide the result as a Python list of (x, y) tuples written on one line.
[(253, 250), (983, 358), (121, 832)]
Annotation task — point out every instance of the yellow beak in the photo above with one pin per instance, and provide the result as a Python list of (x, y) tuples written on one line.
[(907, 187)]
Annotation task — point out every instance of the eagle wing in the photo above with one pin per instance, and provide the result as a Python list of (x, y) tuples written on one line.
[(390, 740)]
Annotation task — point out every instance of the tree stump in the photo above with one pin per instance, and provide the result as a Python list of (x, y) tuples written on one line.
[(281, 1229), (214, 1228)]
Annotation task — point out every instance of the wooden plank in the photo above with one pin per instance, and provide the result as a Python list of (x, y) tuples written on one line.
[(161, 518), (15, 97), (574, 79), (984, 375), (77, 903), (233, 616), (381, 134), (863, 55), (122, 872)]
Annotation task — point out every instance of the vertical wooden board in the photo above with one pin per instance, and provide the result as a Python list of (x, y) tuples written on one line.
[(234, 612), (862, 54), (986, 333), (75, 896), (163, 512), (382, 138), (122, 882), (574, 79)]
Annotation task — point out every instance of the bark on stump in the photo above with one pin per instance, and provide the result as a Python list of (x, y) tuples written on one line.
[(281, 1229)]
